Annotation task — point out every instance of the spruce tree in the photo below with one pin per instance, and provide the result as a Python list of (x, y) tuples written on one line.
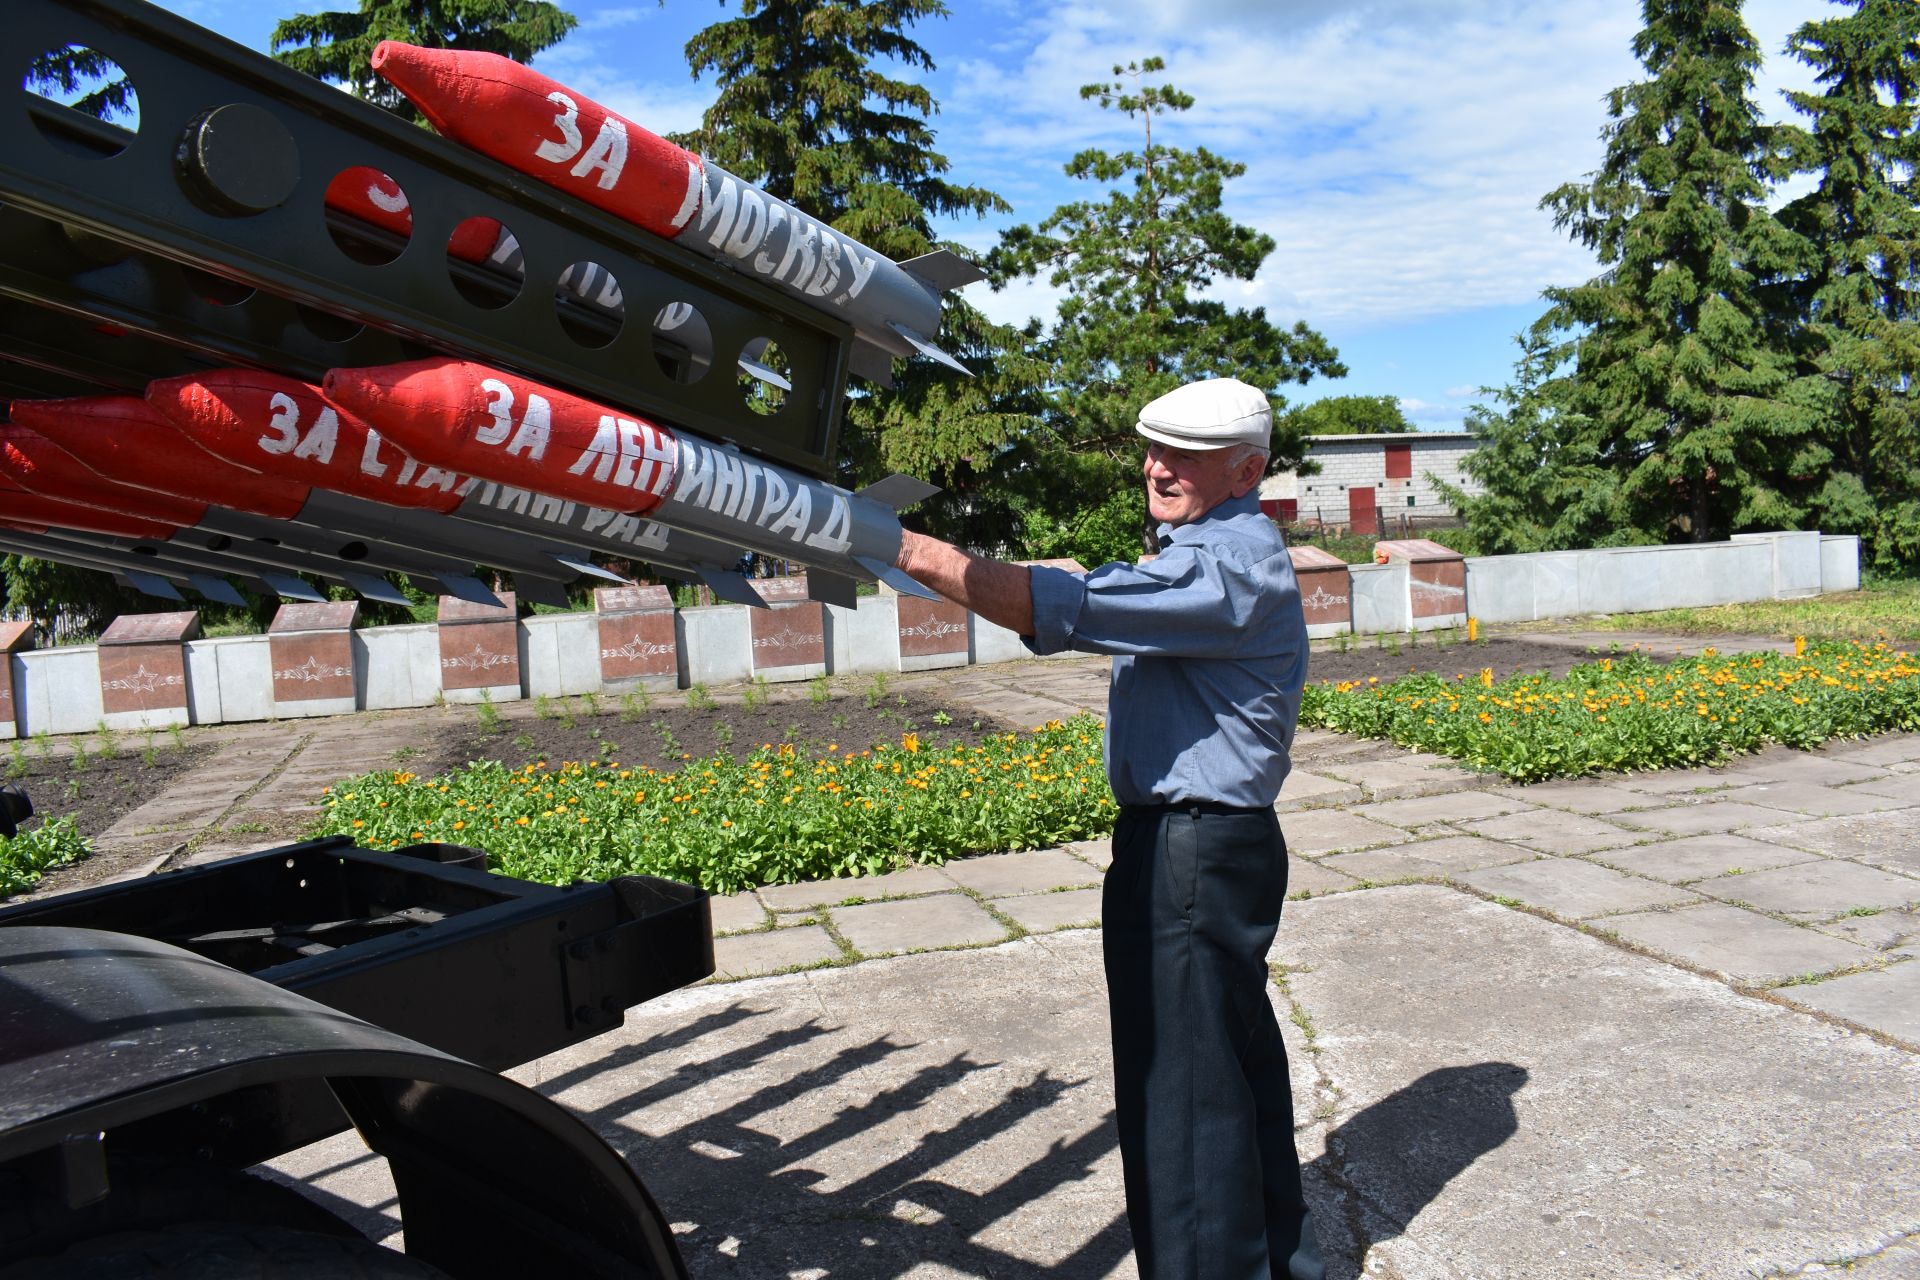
[(1684, 386), (338, 46), (1861, 301), (1135, 323)]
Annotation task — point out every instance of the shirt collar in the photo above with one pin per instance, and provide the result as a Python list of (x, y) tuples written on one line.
[(1247, 504)]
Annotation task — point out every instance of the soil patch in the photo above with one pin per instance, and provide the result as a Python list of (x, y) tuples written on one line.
[(661, 730), (665, 730), (1392, 657), (96, 790)]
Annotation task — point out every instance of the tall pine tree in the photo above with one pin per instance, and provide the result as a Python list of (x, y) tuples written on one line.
[(339, 45), (1684, 386), (1135, 323), (1861, 301), (807, 110)]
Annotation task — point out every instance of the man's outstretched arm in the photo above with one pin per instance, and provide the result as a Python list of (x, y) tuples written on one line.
[(999, 592)]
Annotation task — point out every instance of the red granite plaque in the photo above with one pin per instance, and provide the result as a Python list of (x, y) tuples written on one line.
[(143, 662), (312, 649), (479, 643), (931, 628), (789, 635), (14, 636), (1436, 576), (322, 615), (1326, 596), (638, 644)]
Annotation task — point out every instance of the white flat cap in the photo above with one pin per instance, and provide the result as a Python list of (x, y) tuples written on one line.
[(1210, 414)]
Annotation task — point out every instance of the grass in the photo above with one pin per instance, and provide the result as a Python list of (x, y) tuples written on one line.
[(1883, 608)]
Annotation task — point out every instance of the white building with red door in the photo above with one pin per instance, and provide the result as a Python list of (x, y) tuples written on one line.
[(1366, 479)]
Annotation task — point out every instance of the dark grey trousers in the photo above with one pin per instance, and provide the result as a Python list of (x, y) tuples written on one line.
[(1201, 1090)]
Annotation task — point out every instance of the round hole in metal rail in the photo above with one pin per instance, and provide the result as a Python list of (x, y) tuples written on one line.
[(590, 305), (87, 105), (763, 371), (485, 263), (368, 215), (682, 342)]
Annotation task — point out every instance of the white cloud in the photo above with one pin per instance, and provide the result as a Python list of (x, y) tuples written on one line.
[(1465, 391), (1397, 150)]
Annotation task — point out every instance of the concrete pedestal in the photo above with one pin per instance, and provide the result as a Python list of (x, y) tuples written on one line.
[(312, 648), (1326, 597), (790, 637), (143, 670), (932, 633), (479, 650), (638, 645), (1436, 582)]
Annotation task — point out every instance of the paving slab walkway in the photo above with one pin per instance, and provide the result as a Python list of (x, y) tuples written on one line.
[(1646, 1025)]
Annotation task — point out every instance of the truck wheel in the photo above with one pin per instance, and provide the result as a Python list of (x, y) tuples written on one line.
[(224, 1251)]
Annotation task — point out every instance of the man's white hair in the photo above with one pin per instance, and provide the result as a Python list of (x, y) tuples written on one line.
[(1239, 453)]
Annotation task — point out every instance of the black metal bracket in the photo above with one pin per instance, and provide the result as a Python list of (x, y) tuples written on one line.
[(225, 177)]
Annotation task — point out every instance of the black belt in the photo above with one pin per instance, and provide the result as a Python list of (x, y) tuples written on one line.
[(1148, 812)]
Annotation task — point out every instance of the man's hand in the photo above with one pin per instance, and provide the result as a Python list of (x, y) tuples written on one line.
[(997, 591)]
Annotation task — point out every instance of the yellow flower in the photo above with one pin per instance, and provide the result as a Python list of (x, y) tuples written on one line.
[(460, 826), (910, 741), (358, 823), (522, 820), (1486, 677)]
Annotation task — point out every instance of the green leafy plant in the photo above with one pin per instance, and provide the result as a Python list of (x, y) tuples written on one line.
[(699, 699), (543, 707), (489, 715), (32, 853), (106, 744), (820, 689), (876, 689), (756, 694), (774, 816), (635, 704)]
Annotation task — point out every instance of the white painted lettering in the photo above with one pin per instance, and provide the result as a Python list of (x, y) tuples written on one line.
[(836, 535), (607, 154), (776, 214), (749, 227), (500, 409), (568, 122), (285, 423), (690, 201), (794, 520), (319, 441), (535, 429)]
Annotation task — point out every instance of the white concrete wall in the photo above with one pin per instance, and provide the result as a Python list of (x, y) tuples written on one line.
[(1839, 563), (866, 639), (58, 690), (560, 654)]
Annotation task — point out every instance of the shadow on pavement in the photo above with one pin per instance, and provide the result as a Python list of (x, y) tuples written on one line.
[(1395, 1157), (888, 1160)]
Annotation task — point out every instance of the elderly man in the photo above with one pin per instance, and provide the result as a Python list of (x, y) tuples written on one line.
[(1209, 655)]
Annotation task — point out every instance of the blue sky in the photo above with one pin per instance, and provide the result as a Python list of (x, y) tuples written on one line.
[(1396, 150)]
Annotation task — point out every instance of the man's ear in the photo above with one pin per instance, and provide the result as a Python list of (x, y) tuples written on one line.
[(1252, 469)]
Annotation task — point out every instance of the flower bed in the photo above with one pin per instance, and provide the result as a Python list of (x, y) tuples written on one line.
[(771, 817), (32, 853), (1627, 712)]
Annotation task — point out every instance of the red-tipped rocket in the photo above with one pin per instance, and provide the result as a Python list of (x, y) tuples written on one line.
[(544, 129), (126, 441), (374, 198), (19, 507), (505, 428), (271, 423), (39, 466)]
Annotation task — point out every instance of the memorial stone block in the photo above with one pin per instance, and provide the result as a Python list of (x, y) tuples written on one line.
[(14, 636), (790, 636), (143, 669), (1436, 580), (933, 633), (1326, 595), (637, 639), (312, 650), (479, 649)]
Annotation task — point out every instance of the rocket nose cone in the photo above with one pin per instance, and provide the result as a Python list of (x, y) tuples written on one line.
[(381, 52), (190, 404)]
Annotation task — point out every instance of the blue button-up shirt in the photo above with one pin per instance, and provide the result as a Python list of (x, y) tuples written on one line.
[(1209, 654)]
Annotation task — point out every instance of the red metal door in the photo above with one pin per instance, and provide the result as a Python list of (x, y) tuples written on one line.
[(1361, 512)]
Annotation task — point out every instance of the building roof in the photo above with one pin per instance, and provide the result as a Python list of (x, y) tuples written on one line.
[(1389, 437)]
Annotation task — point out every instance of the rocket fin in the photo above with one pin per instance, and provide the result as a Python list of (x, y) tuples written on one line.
[(152, 584), (895, 578), (728, 585), (943, 269), (290, 586), (833, 588), (466, 587), (216, 589), (926, 348), (374, 587), (753, 368), (580, 564), (537, 590), (899, 491)]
